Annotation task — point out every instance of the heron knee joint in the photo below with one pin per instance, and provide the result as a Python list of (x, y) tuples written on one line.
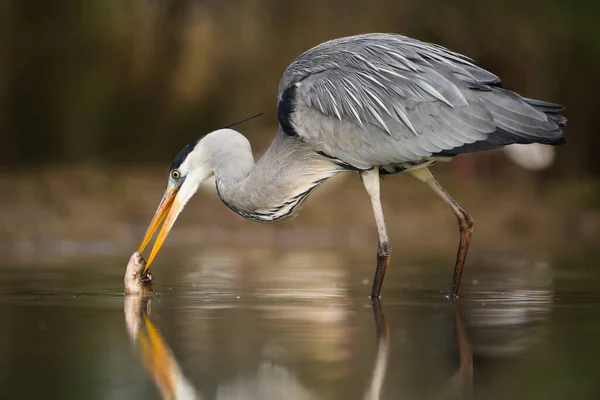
[(466, 221), (384, 249)]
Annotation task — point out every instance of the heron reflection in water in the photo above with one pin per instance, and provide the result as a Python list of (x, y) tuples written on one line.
[(271, 383), (155, 353), (375, 104), (172, 383)]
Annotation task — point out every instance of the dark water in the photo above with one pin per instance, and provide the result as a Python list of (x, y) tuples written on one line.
[(228, 323)]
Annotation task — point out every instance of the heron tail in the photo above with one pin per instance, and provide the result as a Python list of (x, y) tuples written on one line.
[(518, 120), (553, 111)]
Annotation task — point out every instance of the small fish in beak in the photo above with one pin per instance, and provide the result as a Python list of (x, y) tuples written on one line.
[(137, 279)]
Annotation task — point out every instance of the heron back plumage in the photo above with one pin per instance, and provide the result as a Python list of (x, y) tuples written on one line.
[(389, 100)]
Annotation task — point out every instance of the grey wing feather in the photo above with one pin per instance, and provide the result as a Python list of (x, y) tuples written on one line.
[(384, 99)]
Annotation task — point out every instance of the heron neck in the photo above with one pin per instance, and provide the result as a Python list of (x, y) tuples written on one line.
[(276, 185)]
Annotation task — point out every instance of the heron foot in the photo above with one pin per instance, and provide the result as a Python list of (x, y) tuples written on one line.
[(452, 296)]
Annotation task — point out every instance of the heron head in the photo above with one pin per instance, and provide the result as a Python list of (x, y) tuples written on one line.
[(186, 173)]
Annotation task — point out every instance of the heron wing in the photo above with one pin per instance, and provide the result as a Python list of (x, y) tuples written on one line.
[(383, 99)]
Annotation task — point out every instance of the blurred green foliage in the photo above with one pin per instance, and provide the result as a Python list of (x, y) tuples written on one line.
[(104, 81)]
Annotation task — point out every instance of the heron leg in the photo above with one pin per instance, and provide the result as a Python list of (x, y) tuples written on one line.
[(465, 225), (371, 181)]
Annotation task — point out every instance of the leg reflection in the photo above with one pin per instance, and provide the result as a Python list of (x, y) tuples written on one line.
[(458, 385), (383, 351), (461, 382)]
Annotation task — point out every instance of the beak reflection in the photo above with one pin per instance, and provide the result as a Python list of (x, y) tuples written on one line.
[(155, 353)]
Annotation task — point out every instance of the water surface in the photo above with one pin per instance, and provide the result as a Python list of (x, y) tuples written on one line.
[(231, 323)]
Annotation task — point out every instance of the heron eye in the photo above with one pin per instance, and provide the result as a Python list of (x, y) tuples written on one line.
[(175, 174)]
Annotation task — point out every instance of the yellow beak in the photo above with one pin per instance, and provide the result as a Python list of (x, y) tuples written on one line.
[(168, 210)]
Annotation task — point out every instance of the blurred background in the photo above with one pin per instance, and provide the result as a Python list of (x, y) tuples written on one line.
[(98, 96)]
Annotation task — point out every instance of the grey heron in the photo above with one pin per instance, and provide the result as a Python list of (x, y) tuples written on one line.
[(375, 104)]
